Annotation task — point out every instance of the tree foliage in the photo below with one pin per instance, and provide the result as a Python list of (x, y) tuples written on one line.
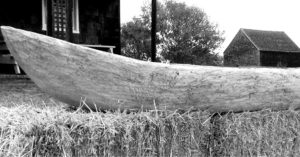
[(185, 35), (136, 40)]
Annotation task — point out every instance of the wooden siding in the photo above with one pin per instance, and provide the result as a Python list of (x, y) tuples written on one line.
[(241, 52), (22, 14), (280, 59), (99, 23)]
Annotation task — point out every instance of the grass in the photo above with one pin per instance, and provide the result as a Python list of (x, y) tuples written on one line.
[(19, 90), (32, 125)]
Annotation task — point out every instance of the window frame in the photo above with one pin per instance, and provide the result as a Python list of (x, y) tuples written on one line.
[(75, 16)]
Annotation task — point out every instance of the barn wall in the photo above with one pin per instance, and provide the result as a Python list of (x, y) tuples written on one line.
[(280, 59), (241, 52), (293, 59)]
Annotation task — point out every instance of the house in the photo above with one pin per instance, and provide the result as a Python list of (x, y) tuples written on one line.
[(92, 23), (262, 48)]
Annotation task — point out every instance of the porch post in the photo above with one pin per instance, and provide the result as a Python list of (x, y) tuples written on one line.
[(153, 30), (49, 18)]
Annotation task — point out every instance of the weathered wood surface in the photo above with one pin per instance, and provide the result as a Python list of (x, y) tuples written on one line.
[(71, 72)]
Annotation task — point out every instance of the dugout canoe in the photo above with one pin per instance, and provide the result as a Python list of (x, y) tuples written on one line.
[(70, 73)]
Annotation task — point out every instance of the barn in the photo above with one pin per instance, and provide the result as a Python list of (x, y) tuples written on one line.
[(92, 23), (262, 48)]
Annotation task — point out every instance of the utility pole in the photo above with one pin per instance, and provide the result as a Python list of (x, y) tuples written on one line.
[(153, 30)]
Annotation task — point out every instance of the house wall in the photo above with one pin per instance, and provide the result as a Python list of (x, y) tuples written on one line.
[(22, 14), (241, 52), (280, 59), (99, 20), (99, 23)]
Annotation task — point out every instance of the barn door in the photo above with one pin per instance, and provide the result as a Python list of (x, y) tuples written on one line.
[(61, 18)]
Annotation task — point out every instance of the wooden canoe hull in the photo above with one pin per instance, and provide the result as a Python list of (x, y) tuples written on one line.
[(70, 73)]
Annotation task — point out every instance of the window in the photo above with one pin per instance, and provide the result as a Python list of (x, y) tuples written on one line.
[(75, 16)]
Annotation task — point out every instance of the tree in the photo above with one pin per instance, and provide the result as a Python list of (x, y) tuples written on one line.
[(185, 34), (136, 40)]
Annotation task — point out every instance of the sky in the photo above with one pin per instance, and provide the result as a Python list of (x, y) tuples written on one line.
[(231, 15)]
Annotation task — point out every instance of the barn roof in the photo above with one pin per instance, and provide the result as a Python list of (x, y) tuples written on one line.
[(271, 40)]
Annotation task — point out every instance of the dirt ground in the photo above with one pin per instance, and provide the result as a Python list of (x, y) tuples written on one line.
[(20, 90)]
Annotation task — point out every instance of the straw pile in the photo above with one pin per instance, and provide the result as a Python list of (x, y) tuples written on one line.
[(52, 131)]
